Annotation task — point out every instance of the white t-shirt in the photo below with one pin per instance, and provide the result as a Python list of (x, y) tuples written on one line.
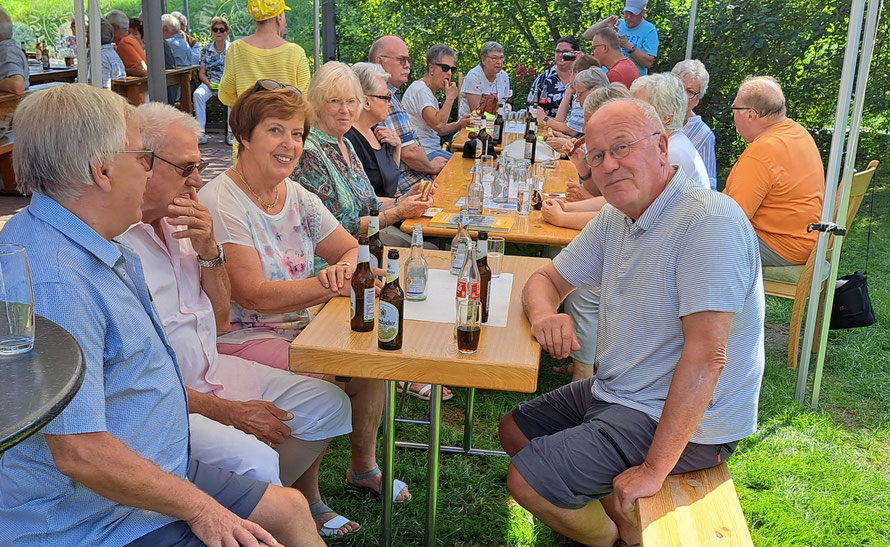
[(417, 97), (476, 83), (285, 244), (681, 152)]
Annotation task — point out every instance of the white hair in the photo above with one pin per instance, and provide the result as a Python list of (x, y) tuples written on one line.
[(158, 117), (590, 78), (171, 22), (118, 19), (490, 47), (601, 95), (182, 18), (693, 68), (666, 93), (644, 108), (367, 74), (333, 79), (61, 132)]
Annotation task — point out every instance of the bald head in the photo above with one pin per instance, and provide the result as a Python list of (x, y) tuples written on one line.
[(391, 52), (763, 94)]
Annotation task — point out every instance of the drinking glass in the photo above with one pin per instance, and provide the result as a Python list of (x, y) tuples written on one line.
[(524, 196), (16, 301), (468, 329), (488, 165), (496, 246)]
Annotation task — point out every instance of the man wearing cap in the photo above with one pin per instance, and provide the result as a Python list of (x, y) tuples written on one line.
[(638, 37)]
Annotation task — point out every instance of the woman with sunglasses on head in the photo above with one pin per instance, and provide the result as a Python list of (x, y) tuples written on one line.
[(429, 119), (213, 62)]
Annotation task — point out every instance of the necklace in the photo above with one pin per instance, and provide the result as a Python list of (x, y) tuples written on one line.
[(267, 206)]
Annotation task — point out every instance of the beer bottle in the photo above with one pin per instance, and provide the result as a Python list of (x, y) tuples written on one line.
[(484, 273), (497, 132), (484, 139), (361, 296), (416, 268), (392, 299), (375, 246), (531, 139)]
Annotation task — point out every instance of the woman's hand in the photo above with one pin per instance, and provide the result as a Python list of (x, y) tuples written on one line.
[(552, 211), (417, 188), (451, 90), (411, 206), (560, 144), (465, 120), (385, 135), (336, 278)]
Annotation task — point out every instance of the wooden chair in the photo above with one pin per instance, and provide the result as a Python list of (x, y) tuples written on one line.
[(692, 509), (794, 282)]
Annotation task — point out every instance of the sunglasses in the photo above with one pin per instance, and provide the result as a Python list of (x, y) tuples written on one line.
[(145, 157), (219, 29), (185, 170), (272, 85), (446, 68), (386, 98)]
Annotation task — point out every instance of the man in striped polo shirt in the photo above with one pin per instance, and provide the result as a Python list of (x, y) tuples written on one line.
[(679, 348)]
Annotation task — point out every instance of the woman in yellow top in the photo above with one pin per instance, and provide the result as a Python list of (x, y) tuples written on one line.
[(265, 54)]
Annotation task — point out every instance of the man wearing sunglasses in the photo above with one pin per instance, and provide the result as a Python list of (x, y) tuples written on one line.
[(680, 344), (429, 119)]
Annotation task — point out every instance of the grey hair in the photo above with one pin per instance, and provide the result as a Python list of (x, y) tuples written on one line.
[(590, 78), (61, 132), (435, 53), (490, 47), (183, 20), (666, 93), (601, 95), (158, 117), (331, 79), (367, 74), (106, 31), (119, 19), (5, 25), (171, 22), (645, 109), (764, 95), (694, 69)]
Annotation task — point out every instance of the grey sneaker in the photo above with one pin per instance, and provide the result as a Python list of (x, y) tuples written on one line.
[(202, 139), (230, 139)]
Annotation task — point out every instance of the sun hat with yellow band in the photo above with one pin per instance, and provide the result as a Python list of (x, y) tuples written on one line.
[(260, 10)]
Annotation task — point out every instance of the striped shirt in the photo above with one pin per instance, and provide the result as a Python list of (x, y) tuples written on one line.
[(692, 250), (397, 120), (703, 140)]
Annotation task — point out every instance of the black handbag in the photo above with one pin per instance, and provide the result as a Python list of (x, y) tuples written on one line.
[(852, 305)]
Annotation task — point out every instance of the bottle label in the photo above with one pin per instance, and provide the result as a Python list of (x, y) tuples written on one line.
[(457, 262), (465, 218), (372, 260), (392, 269), (368, 315), (417, 239), (487, 294), (416, 287), (528, 154), (481, 248), (388, 322), (462, 289), (373, 225), (363, 254), (497, 132)]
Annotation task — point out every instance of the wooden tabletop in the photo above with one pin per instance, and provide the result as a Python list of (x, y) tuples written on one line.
[(507, 358), (453, 180), (457, 145), (132, 87)]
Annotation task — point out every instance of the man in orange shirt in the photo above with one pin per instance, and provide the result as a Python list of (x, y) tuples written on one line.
[(778, 180), (128, 47), (607, 50)]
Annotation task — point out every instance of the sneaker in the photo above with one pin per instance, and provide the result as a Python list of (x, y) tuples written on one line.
[(230, 139), (202, 139)]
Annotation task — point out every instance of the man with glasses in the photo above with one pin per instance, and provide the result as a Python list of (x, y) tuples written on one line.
[(550, 85), (391, 52), (638, 38), (607, 51), (486, 79), (114, 467), (779, 179), (429, 119), (212, 62), (679, 349)]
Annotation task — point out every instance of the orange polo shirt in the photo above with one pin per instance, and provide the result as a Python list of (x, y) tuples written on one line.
[(130, 51), (779, 182)]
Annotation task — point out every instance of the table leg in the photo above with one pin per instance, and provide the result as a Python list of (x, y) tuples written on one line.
[(468, 420), (185, 100), (432, 488), (389, 424), (133, 95)]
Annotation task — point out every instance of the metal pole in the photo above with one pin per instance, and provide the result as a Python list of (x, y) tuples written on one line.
[(328, 30), (468, 420), (868, 43), (690, 34), (317, 36), (432, 486), (842, 113), (389, 425), (81, 29), (95, 45), (185, 11), (154, 50)]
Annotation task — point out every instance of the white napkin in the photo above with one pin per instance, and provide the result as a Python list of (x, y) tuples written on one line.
[(440, 307)]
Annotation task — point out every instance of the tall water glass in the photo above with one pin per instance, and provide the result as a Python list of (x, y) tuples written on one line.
[(16, 301), (496, 246)]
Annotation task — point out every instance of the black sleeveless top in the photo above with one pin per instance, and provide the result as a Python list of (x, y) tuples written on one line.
[(378, 164)]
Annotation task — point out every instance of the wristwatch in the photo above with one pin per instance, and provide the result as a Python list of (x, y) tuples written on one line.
[(631, 50), (213, 262), (546, 119)]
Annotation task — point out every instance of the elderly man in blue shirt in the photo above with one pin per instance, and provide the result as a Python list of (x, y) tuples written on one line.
[(114, 467), (679, 348)]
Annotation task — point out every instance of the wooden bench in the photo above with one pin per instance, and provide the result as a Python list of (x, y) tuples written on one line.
[(691, 509)]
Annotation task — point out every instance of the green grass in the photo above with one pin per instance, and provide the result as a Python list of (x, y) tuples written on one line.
[(805, 478)]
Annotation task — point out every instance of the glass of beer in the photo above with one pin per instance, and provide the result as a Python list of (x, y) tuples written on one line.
[(468, 329)]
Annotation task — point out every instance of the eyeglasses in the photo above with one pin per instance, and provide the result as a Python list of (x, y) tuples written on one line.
[(405, 60), (145, 157), (219, 29), (340, 103), (734, 108), (387, 97), (618, 151), (272, 85), (594, 46), (690, 93), (446, 68), (496, 58), (560, 51), (185, 170)]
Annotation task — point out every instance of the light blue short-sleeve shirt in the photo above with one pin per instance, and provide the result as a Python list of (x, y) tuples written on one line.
[(132, 388), (692, 250), (644, 36)]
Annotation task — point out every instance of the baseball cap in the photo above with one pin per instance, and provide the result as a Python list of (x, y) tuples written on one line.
[(635, 6), (260, 10)]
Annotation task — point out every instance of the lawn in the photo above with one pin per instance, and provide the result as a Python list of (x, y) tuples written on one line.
[(805, 478)]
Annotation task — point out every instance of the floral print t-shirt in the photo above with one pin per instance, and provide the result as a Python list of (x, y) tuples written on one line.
[(285, 244)]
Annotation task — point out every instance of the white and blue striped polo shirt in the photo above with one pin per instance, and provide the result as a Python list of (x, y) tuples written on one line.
[(692, 250)]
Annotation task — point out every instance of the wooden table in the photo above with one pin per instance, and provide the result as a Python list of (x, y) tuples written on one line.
[(57, 73), (453, 180), (132, 86), (507, 359), (457, 145)]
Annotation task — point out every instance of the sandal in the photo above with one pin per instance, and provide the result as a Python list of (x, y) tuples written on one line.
[(397, 485), (423, 394), (331, 528)]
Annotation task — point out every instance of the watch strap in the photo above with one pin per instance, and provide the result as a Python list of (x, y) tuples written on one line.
[(213, 262)]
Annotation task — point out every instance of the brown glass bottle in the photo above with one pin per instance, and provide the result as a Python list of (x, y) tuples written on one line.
[(375, 246), (361, 296), (484, 273), (392, 301)]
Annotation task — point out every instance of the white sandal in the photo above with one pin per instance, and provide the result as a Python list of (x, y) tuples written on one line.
[(423, 394)]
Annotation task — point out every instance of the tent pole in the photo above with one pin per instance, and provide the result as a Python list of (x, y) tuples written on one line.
[(690, 35), (317, 36), (154, 50), (80, 28), (95, 45)]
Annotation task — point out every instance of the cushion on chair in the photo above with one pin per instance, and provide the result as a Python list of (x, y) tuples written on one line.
[(790, 274)]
